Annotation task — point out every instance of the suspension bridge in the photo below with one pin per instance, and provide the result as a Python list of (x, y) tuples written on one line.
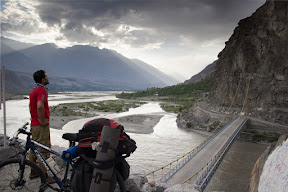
[(198, 165), (206, 161)]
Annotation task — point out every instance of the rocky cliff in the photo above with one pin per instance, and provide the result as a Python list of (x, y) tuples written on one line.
[(252, 69), (275, 167)]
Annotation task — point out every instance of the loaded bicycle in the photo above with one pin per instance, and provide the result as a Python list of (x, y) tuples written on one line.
[(14, 173)]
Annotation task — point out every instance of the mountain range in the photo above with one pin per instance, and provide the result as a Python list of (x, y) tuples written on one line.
[(81, 67)]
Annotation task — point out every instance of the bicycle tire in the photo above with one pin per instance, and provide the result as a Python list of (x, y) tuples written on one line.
[(9, 174)]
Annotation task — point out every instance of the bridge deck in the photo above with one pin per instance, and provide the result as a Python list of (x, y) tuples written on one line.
[(203, 156)]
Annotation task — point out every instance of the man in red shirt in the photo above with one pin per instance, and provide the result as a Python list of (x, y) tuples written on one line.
[(40, 115)]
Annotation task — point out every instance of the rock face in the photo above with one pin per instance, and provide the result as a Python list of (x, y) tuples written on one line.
[(258, 167), (200, 119), (274, 175), (253, 67)]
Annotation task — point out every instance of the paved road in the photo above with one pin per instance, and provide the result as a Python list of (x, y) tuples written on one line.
[(202, 157)]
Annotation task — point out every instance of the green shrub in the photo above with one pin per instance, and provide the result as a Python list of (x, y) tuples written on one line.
[(188, 125), (266, 137), (106, 106)]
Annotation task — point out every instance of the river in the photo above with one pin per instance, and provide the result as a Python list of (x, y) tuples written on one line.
[(164, 145)]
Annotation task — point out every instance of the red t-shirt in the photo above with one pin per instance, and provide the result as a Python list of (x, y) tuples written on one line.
[(38, 94)]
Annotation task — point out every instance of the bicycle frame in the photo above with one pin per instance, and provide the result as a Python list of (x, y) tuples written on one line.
[(63, 185), (30, 144)]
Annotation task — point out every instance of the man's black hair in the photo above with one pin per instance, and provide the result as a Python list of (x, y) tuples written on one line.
[(38, 76)]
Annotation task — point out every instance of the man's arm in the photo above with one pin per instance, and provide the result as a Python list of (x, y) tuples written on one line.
[(41, 113)]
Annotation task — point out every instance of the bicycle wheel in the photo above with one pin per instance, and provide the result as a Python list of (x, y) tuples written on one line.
[(9, 171)]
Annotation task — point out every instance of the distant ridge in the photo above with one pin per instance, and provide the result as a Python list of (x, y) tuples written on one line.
[(205, 73), (15, 45), (95, 68)]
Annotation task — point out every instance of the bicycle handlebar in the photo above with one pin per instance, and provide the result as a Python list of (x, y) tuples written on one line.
[(25, 125), (20, 130)]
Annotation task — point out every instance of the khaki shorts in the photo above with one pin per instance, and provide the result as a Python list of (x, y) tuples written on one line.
[(41, 134)]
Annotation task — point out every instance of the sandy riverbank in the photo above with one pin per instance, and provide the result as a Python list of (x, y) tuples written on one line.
[(142, 124)]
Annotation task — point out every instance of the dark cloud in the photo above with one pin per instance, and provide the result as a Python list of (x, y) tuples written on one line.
[(201, 20)]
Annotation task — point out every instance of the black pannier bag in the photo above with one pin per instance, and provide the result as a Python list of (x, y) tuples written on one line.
[(123, 168), (81, 176)]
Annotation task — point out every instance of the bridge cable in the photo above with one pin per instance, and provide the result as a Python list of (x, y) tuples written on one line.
[(210, 135)]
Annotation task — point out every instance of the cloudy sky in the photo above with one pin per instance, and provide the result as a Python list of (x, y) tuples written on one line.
[(179, 37)]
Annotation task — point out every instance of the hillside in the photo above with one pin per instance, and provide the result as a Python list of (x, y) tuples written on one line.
[(207, 72), (15, 83), (181, 96)]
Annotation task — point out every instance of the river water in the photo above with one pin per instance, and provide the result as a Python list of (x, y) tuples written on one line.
[(164, 145)]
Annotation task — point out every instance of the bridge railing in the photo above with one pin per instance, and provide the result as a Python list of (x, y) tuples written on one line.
[(187, 157), (203, 176)]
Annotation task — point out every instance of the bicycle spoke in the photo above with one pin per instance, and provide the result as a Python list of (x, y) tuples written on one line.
[(9, 174)]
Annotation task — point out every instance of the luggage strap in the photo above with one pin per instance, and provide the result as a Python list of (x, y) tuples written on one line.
[(99, 164)]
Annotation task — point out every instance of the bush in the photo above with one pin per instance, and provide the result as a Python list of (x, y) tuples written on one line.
[(265, 137), (188, 125)]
